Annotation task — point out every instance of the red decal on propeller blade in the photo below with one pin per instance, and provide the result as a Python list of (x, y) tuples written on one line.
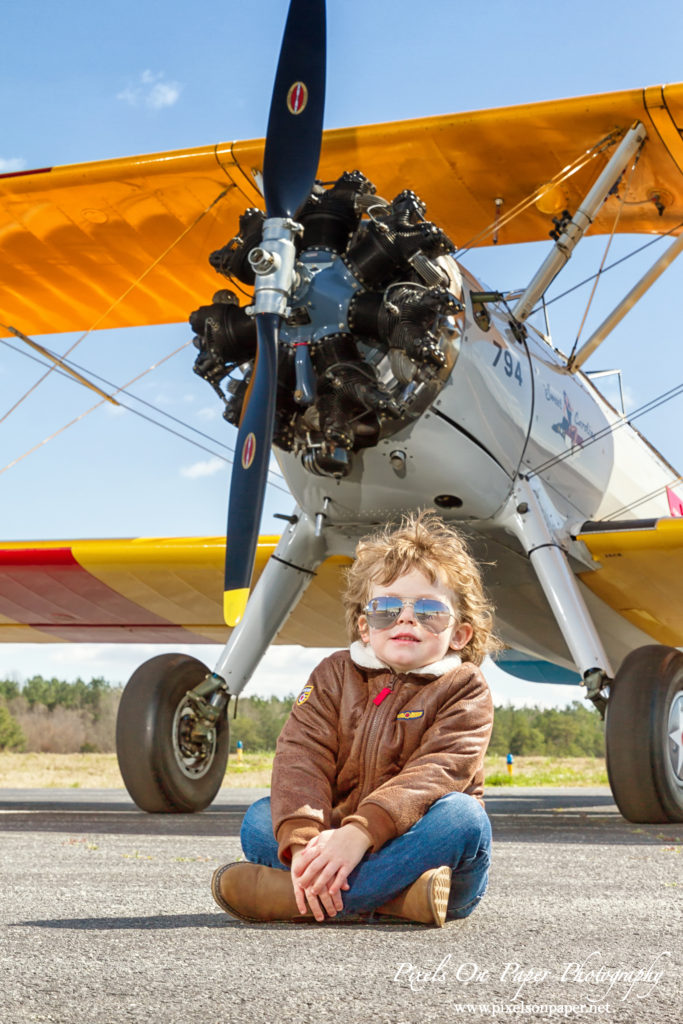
[(297, 98), (248, 451)]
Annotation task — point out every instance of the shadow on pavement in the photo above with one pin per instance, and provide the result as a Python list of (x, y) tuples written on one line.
[(534, 816), (159, 921)]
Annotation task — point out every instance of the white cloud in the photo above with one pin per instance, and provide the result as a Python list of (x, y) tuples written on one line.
[(116, 662), (11, 165), (209, 412), (284, 670), (163, 94), (205, 467), (151, 90)]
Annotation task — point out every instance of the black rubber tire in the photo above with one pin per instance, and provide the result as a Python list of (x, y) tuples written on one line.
[(148, 761), (642, 775)]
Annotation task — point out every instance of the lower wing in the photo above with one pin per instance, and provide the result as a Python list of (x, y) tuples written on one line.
[(146, 590), (169, 590)]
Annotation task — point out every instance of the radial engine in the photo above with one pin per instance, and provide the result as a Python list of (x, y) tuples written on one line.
[(372, 331)]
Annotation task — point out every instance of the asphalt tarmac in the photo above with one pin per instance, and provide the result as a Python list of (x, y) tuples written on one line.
[(107, 917)]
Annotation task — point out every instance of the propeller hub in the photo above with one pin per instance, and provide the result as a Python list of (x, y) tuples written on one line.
[(273, 263), (264, 262)]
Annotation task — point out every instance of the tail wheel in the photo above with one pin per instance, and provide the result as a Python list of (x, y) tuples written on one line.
[(170, 758), (644, 735)]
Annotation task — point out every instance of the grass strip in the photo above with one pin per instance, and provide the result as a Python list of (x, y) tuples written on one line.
[(100, 771)]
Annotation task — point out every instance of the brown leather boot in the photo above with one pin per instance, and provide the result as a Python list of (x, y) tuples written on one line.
[(252, 892), (425, 901)]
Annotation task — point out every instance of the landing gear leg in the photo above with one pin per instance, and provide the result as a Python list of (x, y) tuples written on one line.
[(529, 518), (172, 733), (644, 710), (287, 574)]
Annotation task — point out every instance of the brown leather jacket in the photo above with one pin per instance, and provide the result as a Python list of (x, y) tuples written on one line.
[(348, 753)]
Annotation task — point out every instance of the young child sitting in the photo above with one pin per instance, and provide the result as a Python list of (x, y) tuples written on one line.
[(378, 776)]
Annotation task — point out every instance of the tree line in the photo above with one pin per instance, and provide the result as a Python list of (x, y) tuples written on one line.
[(64, 717), (574, 731), (52, 715)]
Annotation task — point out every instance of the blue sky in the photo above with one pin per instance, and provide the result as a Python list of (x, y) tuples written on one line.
[(90, 81)]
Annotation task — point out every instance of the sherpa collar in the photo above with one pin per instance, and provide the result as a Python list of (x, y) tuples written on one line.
[(364, 656)]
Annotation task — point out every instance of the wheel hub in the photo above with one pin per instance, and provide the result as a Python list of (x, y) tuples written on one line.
[(194, 741)]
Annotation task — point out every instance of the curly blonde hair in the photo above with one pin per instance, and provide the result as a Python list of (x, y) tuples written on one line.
[(423, 541)]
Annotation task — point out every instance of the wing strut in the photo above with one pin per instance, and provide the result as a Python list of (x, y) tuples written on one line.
[(626, 304), (574, 230)]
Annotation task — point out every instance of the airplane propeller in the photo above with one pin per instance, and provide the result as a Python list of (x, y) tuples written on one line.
[(290, 165)]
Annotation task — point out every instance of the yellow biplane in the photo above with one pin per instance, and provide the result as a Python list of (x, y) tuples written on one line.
[(397, 381)]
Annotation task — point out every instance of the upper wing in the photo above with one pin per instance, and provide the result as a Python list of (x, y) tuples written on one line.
[(122, 243), (146, 590), (641, 572)]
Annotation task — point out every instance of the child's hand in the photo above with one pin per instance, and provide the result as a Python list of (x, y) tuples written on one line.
[(318, 903), (320, 870)]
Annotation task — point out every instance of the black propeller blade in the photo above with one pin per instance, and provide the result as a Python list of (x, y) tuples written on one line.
[(296, 111), (289, 169)]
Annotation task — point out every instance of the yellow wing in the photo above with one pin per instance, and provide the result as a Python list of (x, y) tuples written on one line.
[(169, 590), (640, 575), (125, 242), (146, 590)]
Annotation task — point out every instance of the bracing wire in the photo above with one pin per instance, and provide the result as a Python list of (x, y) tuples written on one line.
[(611, 266), (137, 412), (567, 172), (87, 412), (610, 239), (658, 491), (650, 406)]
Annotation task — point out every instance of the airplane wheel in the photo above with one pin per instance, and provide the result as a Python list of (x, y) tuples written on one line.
[(164, 767), (644, 735)]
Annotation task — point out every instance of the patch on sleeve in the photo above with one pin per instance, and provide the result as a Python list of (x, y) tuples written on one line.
[(304, 695), (410, 714)]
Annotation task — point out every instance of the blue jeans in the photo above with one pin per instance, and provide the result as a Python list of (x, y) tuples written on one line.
[(455, 832)]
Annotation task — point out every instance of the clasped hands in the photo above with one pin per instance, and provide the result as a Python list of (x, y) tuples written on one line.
[(320, 868)]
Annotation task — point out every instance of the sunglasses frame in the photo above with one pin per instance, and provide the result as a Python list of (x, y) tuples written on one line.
[(410, 602)]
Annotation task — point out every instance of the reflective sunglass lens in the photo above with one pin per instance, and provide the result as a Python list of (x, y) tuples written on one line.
[(382, 612), (434, 615)]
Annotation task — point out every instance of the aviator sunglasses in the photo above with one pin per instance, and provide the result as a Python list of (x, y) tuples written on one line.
[(382, 612)]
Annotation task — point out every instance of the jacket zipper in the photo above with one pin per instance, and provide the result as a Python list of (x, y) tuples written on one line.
[(378, 719)]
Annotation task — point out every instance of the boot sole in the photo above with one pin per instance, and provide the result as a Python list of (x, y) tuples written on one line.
[(439, 891)]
